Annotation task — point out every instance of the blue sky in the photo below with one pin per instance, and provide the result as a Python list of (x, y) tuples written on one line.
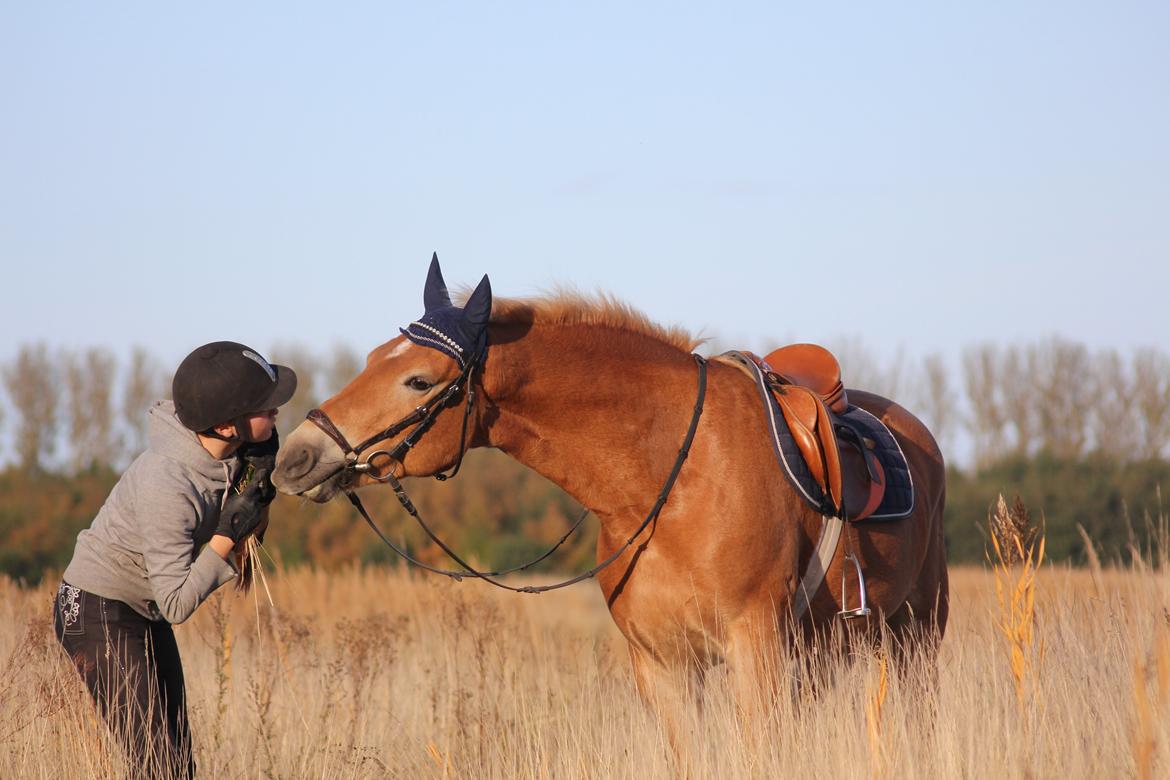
[(934, 175)]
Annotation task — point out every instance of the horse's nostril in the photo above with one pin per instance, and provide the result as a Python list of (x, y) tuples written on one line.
[(299, 462)]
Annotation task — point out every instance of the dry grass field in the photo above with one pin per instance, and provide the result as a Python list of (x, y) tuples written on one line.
[(376, 673)]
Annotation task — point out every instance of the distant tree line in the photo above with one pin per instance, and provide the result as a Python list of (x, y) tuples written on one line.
[(1053, 397), (1081, 435), (69, 411), (1059, 399)]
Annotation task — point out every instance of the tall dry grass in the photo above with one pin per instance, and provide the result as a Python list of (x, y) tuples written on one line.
[(374, 673), (1016, 554)]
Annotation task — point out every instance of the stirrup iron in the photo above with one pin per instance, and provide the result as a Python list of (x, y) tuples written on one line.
[(863, 609)]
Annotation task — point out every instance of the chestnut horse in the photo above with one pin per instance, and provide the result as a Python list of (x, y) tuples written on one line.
[(596, 398)]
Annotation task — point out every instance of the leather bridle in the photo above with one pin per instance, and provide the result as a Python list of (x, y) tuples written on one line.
[(422, 418)]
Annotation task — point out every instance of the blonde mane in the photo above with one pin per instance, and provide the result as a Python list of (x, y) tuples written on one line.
[(566, 307)]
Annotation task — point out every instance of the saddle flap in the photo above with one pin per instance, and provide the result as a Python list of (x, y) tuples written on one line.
[(799, 405), (801, 411), (832, 456), (812, 429)]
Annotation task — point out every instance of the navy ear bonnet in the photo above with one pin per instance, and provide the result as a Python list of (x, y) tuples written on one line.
[(459, 333)]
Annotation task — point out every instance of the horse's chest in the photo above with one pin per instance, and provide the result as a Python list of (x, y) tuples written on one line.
[(660, 607)]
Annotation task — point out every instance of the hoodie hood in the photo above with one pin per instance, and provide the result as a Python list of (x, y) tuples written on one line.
[(171, 439)]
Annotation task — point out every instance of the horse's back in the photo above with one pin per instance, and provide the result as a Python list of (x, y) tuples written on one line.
[(911, 432)]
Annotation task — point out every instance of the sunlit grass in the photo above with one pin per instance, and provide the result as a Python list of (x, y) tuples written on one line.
[(374, 673)]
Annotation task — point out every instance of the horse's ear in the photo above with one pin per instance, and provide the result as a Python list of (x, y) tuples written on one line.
[(478, 309), (435, 295)]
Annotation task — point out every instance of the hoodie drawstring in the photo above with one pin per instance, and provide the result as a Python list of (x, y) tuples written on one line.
[(227, 484)]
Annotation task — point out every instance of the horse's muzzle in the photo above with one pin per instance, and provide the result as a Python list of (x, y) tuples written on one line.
[(307, 465)]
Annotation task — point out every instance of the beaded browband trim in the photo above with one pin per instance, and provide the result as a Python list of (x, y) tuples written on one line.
[(439, 340)]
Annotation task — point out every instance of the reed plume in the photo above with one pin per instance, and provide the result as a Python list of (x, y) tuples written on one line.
[(1017, 551)]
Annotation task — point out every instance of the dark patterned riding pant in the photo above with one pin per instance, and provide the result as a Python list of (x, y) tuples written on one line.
[(132, 668)]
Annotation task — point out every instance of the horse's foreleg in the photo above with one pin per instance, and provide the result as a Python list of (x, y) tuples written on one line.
[(671, 693), (758, 669)]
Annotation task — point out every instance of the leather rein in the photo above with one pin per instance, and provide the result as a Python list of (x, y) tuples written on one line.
[(422, 418)]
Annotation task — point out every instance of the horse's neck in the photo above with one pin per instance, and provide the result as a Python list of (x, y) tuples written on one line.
[(601, 414)]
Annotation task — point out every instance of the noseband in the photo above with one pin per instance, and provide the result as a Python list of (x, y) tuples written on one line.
[(422, 418)]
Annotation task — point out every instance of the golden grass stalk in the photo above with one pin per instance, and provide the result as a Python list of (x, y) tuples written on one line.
[(1150, 708), (1017, 551), (875, 701), (440, 760), (253, 552), (1160, 536), (1094, 560), (253, 567), (246, 554), (223, 667)]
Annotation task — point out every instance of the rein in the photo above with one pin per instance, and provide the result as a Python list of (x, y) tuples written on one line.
[(424, 417)]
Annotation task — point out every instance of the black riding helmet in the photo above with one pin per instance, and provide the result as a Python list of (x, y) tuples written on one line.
[(223, 381)]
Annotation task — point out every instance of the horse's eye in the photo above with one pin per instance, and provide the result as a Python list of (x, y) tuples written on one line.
[(419, 384)]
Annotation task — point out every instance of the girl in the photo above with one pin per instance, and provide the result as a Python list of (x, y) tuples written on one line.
[(162, 543)]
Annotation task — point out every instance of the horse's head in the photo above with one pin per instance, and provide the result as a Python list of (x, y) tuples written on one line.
[(390, 419)]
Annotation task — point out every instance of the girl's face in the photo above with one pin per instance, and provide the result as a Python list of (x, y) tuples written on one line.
[(258, 427)]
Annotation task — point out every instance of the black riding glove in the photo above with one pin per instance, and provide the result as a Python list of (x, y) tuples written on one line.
[(254, 491), (241, 512), (259, 461)]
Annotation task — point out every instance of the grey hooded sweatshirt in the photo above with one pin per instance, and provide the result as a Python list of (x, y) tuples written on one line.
[(140, 548)]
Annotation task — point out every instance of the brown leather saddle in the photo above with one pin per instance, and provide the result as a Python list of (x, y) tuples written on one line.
[(805, 381)]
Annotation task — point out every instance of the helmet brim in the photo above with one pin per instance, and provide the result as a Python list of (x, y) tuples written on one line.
[(286, 386)]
